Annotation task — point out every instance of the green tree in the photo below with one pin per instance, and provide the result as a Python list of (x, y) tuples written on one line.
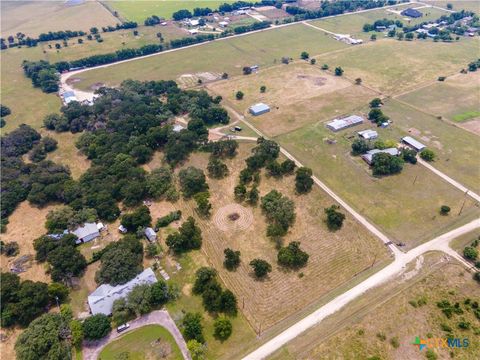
[(203, 204), (373, 37), (96, 327), (217, 169), (196, 349), (189, 237), (140, 218), (252, 196), (140, 299), (376, 103), (77, 333), (151, 250), (338, 71), (239, 95), (66, 262), (292, 256), (313, 61), (232, 259), (304, 55), (303, 180), (470, 253), (444, 209), (360, 146), (240, 192), (160, 183), (203, 277), (386, 164), (159, 293), (278, 209), (192, 181), (427, 155), (324, 67), (260, 268), (334, 218), (409, 156), (228, 303), (222, 328), (57, 292), (192, 327), (263, 88)]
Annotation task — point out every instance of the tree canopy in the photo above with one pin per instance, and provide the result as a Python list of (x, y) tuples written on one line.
[(188, 237)]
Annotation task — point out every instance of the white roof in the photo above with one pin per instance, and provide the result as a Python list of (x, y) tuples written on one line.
[(338, 124), (101, 300), (86, 230), (259, 107), (414, 143), (223, 23), (368, 156), (178, 128), (193, 31), (368, 134), (150, 232), (193, 22), (100, 226)]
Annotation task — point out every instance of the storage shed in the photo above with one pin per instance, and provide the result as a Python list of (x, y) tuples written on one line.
[(259, 109), (86, 233), (150, 234), (340, 124), (416, 145)]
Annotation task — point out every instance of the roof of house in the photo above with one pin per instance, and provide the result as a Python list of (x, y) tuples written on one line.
[(368, 156), (86, 230), (411, 12), (412, 142), (338, 124), (260, 107), (150, 232), (367, 134), (101, 300)]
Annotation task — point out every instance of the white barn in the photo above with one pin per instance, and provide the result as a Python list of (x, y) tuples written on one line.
[(86, 233)]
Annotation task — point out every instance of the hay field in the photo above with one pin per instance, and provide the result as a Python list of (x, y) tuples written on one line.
[(405, 206), (335, 257), (139, 10), (457, 150), (458, 5), (386, 311), (35, 17), (456, 98), (298, 94), (394, 67), (230, 55), (353, 23)]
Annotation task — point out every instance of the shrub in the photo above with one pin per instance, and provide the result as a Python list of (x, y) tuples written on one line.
[(427, 155), (168, 219), (96, 327), (192, 327), (260, 268), (444, 209), (222, 328), (239, 95), (292, 256), (232, 259), (334, 218)]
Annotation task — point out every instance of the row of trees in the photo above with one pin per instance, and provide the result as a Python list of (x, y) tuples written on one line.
[(43, 75), (335, 8), (4, 112)]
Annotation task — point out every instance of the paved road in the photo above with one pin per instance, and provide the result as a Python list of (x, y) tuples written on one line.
[(450, 180), (401, 260), (91, 350)]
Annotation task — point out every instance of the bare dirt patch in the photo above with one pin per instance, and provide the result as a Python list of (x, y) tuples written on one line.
[(473, 126), (233, 217)]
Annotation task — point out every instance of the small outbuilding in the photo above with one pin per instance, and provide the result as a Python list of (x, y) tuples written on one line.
[(411, 13), (177, 128), (86, 233), (368, 134), (259, 109), (122, 229), (416, 145), (340, 124), (150, 234), (368, 156)]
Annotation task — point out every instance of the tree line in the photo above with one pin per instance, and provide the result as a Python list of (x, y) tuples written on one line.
[(336, 8)]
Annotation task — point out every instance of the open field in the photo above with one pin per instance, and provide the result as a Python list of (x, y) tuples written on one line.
[(112, 41), (298, 94), (386, 311), (139, 10), (35, 17), (353, 23), (393, 66), (230, 55), (457, 150), (405, 206), (266, 302), (455, 99), (458, 5), (143, 343), (465, 240)]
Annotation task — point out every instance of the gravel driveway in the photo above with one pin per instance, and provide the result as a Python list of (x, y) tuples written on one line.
[(91, 349)]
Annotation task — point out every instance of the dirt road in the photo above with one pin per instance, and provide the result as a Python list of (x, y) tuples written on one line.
[(401, 260), (91, 350)]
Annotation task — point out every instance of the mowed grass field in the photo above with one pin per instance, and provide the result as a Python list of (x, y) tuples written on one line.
[(353, 23), (139, 10), (147, 342), (298, 94), (394, 67), (472, 5), (370, 325), (335, 257), (456, 98), (35, 17), (456, 149), (265, 48)]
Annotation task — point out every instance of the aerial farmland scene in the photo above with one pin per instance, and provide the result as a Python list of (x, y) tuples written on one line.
[(223, 180)]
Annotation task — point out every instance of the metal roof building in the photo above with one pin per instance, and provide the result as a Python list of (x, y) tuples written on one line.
[(101, 300), (368, 134), (340, 124), (86, 233), (418, 146), (69, 96), (411, 13), (177, 128), (259, 109), (150, 234), (368, 156)]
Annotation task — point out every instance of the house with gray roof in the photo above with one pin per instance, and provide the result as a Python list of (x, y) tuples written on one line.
[(101, 300), (86, 233), (368, 156), (150, 234), (416, 145)]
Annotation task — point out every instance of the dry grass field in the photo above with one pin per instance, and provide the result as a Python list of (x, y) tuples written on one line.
[(472, 5), (298, 94), (35, 17), (386, 311), (335, 257)]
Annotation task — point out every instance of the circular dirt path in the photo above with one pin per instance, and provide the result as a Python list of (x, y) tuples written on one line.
[(233, 217)]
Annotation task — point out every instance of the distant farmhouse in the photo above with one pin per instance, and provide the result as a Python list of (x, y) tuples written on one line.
[(101, 300), (368, 156), (340, 124), (411, 13), (416, 145), (259, 109)]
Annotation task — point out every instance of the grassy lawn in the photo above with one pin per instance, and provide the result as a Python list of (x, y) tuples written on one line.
[(298, 94), (353, 23), (458, 5), (147, 342), (139, 10), (393, 66), (457, 150), (230, 55), (456, 98), (366, 327), (405, 206), (35, 17), (465, 240)]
